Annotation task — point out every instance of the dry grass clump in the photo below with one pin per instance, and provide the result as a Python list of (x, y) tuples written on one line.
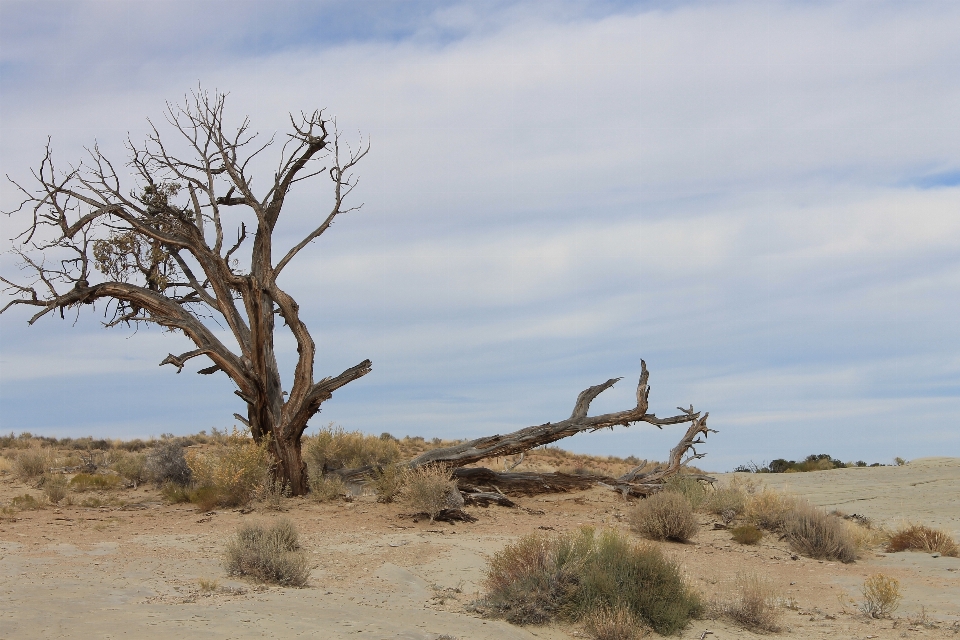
[(756, 606), (690, 488), (325, 488), (746, 534), (166, 463), (430, 489), (268, 554), (26, 502), (576, 576), (919, 537), (55, 488), (617, 623), (132, 467), (31, 463), (816, 534), (334, 448), (388, 482), (229, 474), (93, 482), (768, 509), (665, 516), (881, 596)]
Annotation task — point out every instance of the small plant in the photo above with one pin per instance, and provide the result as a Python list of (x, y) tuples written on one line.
[(334, 448), (726, 500), (326, 487), (93, 482), (55, 488), (208, 585), (922, 538), (268, 554), (175, 493), (271, 494), (899, 461), (576, 576), (768, 509), (815, 534), (31, 463), (388, 482), (430, 489), (881, 596), (165, 463), (746, 534), (206, 498), (756, 605), (26, 502), (617, 623), (665, 516)]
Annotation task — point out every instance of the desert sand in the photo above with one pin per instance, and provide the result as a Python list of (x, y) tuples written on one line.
[(135, 570)]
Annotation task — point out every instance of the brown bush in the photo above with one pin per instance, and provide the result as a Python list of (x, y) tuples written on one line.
[(234, 469), (430, 489), (31, 463), (815, 534), (881, 596), (268, 554), (756, 605), (922, 538), (388, 482), (617, 623), (55, 488), (768, 509), (665, 516), (325, 488), (747, 534)]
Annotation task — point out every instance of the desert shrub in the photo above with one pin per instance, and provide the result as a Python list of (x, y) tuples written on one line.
[(327, 487), (268, 554), (729, 501), (922, 538), (55, 488), (617, 623), (665, 516), (334, 448), (132, 467), (881, 596), (26, 502), (574, 576), (388, 482), (747, 534), (93, 482), (233, 471), (690, 488), (166, 463), (175, 493), (205, 497), (768, 509), (756, 604), (815, 534), (31, 463), (430, 489), (271, 493)]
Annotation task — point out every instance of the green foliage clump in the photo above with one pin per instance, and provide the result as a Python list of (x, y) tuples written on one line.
[(268, 554), (574, 576)]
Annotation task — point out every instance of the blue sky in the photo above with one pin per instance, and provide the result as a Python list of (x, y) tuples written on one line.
[(762, 200)]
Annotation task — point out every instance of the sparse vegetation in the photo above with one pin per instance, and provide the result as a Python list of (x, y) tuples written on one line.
[(333, 448), (575, 576), (665, 516), (768, 509), (816, 534), (166, 463), (616, 623), (268, 554), (93, 482), (755, 606), (229, 474), (132, 467), (881, 596), (26, 502), (690, 488), (325, 488), (388, 482), (430, 489), (31, 463), (55, 488), (747, 534), (918, 537)]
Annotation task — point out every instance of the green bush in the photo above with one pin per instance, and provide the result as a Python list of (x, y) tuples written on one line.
[(268, 554), (574, 576), (93, 482), (665, 516)]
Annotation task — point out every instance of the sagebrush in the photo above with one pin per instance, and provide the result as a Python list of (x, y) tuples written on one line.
[(881, 596), (233, 470), (919, 537), (665, 516), (430, 489), (268, 554)]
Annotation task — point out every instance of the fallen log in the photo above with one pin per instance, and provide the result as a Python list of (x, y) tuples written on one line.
[(458, 456)]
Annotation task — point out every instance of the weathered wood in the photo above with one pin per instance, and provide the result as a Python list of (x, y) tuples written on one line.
[(484, 499)]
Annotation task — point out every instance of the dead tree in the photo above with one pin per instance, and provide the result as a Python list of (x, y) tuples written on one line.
[(155, 252), (518, 442)]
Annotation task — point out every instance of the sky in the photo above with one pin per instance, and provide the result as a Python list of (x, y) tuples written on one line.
[(759, 199)]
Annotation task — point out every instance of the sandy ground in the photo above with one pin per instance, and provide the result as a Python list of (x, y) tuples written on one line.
[(135, 571)]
